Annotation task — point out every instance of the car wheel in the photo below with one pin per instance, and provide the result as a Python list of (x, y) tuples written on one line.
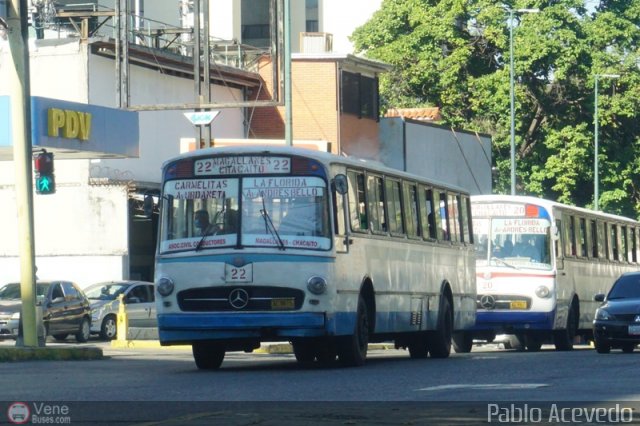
[(109, 328), (628, 348), (602, 346), (83, 334), (61, 336)]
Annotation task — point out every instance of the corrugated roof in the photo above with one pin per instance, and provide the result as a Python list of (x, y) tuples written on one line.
[(426, 114)]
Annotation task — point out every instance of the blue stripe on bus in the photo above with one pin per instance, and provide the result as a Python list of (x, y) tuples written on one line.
[(271, 326), (514, 320), (248, 258)]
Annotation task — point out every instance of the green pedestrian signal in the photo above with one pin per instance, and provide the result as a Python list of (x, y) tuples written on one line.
[(45, 179)]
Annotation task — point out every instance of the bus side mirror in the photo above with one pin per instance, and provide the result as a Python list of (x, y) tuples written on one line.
[(555, 233), (340, 184), (148, 205)]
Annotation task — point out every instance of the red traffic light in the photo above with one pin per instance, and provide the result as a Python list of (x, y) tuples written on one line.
[(43, 163)]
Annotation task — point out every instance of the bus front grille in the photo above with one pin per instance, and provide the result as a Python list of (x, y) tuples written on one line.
[(240, 298)]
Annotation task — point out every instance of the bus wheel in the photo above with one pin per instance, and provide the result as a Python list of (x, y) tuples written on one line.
[(440, 340), (419, 346), (563, 339), (532, 343), (326, 352), (462, 342), (304, 351), (208, 355), (352, 350)]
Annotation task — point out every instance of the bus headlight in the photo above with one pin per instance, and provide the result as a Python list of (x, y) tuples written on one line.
[(317, 285), (165, 286), (543, 291)]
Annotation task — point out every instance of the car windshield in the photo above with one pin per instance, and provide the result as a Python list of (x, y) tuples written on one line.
[(627, 287), (105, 291), (12, 291)]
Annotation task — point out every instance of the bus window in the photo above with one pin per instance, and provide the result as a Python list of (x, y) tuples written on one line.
[(623, 244), (613, 241), (357, 205), (442, 217), (454, 216), (394, 206), (569, 242), (465, 214), (582, 237), (593, 242), (375, 197), (410, 200), (428, 213)]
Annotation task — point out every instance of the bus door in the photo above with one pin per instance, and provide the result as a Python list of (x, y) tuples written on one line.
[(342, 239)]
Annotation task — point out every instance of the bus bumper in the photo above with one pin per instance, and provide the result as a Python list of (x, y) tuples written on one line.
[(509, 322), (185, 328)]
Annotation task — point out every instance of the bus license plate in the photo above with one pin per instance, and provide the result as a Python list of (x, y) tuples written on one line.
[(634, 329), (288, 303), (518, 304), (238, 274)]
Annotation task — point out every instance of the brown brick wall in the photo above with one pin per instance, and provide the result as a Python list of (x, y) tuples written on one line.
[(315, 109)]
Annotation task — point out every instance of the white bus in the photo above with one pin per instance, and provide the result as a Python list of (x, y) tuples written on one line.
[(539, 264), (326, 252)]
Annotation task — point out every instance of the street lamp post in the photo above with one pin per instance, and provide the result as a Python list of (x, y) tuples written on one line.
[(596, 172), (512, 96)]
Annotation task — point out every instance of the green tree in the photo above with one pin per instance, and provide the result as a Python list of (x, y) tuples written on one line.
[(454, 54)]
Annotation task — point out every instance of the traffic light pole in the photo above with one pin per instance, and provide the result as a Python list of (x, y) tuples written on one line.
[(18, 84)]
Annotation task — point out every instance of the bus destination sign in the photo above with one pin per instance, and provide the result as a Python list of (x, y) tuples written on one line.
[(242, 165)]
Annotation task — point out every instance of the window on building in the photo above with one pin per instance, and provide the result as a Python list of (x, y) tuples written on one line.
[(359, 95)]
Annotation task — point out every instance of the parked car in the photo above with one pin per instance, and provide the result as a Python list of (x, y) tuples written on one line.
[(65, 310), (617, 320), (139, 301)]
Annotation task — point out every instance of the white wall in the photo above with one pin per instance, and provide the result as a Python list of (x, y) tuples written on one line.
[(160, 131), (341, 18)]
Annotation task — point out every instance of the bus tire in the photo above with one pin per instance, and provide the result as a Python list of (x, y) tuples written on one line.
[(208, 355), (532, 343), (352, 350), (440, 339), (462, 342), (563, 339), (419, 345), (304, 351)]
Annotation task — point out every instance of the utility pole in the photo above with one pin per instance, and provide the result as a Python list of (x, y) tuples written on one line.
[(20, 94)]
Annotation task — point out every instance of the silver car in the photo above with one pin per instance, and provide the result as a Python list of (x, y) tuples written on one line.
[(139, 301)]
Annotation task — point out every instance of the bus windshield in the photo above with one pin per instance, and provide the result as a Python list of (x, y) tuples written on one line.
[(513, 242), (255, 211)]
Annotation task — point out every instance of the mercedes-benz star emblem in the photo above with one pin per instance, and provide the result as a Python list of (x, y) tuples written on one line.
[(238, 298), (488, 301)]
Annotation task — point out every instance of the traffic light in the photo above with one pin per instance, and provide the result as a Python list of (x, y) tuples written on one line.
[(45, 179)]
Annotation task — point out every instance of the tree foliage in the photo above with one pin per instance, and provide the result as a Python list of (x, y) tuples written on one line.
[(454, 54)]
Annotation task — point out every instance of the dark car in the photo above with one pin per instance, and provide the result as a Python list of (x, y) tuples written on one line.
[(65, 310), (617, 321)]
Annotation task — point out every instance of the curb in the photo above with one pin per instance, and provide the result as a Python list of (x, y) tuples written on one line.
[(265, 348), (14, 354)]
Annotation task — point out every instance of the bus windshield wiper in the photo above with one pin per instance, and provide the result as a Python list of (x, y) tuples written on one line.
[(269, 225), (207, 233), (497, 259)]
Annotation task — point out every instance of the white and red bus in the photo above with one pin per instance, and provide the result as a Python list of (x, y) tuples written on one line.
[(539, 264), (326, 252)]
